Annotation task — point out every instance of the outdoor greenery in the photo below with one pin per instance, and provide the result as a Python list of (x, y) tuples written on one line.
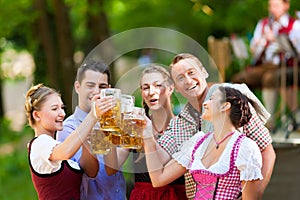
[(53, 31), (15, 180)]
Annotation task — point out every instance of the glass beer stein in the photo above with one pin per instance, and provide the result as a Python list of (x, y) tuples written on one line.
[(134, 123), (111, 120), (99, 141), (127, 102)]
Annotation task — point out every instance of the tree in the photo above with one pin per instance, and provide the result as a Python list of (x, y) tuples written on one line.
[(56, 42)]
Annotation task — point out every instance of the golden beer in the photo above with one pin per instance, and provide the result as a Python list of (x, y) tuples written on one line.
[(111, 120), (132, 142), (115, 139), (132, 132), (99, 141)]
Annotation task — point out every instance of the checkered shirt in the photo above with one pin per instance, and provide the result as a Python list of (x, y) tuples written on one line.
[(186, 124), (182, 128)]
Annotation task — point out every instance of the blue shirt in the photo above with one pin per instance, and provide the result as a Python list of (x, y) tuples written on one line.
[(103, 187)]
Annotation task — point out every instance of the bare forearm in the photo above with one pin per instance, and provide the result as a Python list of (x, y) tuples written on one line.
[(268, 158), (111, 162), (115, 160), (250, 189), (152, 158), (161, 174), (70, 146), (89, 162)]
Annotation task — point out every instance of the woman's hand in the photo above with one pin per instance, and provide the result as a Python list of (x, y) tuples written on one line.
[(148, 132)]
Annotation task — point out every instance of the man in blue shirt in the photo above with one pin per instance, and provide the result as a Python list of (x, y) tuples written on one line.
[(91, 77)]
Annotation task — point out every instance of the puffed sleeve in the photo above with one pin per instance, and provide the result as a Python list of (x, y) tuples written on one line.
[(249, 161), (184, 155), (41, 150)]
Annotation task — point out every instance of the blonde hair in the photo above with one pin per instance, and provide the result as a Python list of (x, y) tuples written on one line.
[(35, 97)]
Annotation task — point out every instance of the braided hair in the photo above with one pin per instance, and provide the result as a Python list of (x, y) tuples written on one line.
[(35, 97), (240, 113)]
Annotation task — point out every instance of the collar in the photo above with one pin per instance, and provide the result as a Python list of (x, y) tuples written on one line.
[(284, 20), (190, 114), (80, 114)]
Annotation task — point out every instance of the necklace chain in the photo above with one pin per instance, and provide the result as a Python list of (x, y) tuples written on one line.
[(222, 140), (156, 130)]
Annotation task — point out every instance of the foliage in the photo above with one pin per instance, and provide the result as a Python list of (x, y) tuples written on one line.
[(9, 135), (195, 18), (15, 180)]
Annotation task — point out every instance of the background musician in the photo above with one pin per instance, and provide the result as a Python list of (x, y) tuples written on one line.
[(267, 55)]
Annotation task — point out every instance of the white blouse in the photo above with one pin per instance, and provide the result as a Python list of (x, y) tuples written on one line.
[(248, 161), (41, 150)]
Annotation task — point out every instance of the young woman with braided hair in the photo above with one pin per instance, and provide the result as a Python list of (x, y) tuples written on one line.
[(53, 174), (224, 162)]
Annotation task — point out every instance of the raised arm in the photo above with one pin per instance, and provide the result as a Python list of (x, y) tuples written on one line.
[(160, 174), (162, 169), (70, 146), (115, 160), (88, 161), (72, 143)]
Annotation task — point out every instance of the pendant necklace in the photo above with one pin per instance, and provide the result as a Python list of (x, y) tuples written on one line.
[(221, 141), (158, 133)]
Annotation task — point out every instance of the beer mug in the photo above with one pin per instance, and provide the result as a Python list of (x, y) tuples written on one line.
[(115, 138), (99, 141), (111, 120), (134, 123), (127, 101)]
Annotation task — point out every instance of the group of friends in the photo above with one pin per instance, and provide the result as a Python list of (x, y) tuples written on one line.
[(217, 147), (182, 161)]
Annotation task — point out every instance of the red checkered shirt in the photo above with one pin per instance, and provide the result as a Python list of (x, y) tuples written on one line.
[(187, 123)]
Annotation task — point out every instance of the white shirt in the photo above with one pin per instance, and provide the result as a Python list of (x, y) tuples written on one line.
[(41, 150), (249, 159)]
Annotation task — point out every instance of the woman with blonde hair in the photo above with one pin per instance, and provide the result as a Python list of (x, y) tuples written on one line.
[(53, 174)]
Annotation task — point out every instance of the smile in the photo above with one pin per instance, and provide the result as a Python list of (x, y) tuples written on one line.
[(191, 88)]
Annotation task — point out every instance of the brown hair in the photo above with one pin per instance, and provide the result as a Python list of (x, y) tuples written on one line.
[(183, 56), (155, 68), (93, 65), (240, 113), (35, 97)]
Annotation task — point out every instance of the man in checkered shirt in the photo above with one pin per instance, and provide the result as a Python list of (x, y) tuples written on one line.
[(190, 80)]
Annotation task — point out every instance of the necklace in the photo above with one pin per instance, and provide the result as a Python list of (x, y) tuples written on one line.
[(160, 132), (222, 140), (156, 130)]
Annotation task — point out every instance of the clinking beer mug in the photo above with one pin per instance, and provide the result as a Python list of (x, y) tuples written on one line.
[(134, 123), (99, 140), (127, 102), (111, 120)]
